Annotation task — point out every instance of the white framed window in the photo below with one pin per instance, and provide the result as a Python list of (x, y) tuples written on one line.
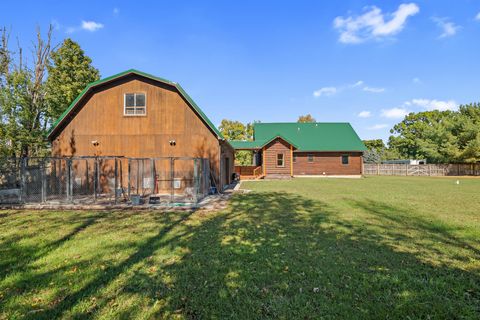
[(310, 157), (280, 160), (345, 159), (135, 104)]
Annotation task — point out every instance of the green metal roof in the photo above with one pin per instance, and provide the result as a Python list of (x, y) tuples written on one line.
[(257, 144), (91, 85), (319, 136)]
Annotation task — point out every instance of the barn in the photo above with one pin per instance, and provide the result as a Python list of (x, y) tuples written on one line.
[(302, 149), (136, 115)]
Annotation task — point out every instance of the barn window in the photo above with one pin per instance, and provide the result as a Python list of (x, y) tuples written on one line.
[(294, 158), (135, 104), (310, 157), (345, 159), (280, 160)]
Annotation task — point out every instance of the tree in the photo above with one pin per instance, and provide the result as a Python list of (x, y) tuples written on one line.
[(306, 118), (235, 130), (439, 136), (376, 150), (376, 144), (22, 98), (69, 72)]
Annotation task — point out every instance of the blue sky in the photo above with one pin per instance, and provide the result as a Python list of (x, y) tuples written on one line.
[(365, 62)]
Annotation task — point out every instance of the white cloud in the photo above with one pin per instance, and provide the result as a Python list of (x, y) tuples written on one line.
[(116, 11), (91, 26), (326, 91), (434, 104), (373, 90), (394, 113), (357, 84), (416, 80), (378, 126), (372, 25), (449, 28), (330, 91), (365, 114), (477, 17)]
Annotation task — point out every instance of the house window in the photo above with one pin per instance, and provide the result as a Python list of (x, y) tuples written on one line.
[(294, 158), (135, 104), (280, 160), (310, 157), (345, 159)]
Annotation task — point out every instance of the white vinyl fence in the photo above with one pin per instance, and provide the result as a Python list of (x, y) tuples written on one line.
[(455, 169)]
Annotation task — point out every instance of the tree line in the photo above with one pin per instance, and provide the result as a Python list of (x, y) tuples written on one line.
[(35, 90), (437, 136)]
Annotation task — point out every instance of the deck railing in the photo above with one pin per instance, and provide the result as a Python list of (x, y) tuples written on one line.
[(248, 171)]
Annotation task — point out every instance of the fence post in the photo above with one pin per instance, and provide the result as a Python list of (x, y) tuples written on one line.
[(22, 179), (87, 185), (152, 171), (115, 184), (195, 180), (129, 178), (378, 169), (172, 178), (43, 182), (95, 178), (406, 169), (69, 180)]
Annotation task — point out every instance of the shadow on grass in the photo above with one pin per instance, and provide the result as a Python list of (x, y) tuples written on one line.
[(280, 255), (17, 256)]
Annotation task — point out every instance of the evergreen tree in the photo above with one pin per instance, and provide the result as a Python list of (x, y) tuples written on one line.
[(69, 72)]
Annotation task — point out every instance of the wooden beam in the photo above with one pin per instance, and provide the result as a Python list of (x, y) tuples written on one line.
[(291, 160), (263, 162)]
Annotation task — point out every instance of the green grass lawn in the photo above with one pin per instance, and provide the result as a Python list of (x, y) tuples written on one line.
[(379, 247)]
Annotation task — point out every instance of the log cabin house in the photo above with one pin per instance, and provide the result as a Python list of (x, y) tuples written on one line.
[(137, 115), (302, 149)]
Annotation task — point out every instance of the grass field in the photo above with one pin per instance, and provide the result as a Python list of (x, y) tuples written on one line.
[(379, 247)]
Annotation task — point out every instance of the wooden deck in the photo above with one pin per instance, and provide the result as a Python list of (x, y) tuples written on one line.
[(249, 172)]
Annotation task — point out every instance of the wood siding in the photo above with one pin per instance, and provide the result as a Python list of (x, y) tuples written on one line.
[(270, 158), (328, 162), (100, 117)]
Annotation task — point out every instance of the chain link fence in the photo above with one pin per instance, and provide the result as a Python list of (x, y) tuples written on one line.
[(104, 180)]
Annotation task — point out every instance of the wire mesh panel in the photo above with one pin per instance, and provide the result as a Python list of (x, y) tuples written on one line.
[(162, 193), (10, 182), (184, 180), (141, 173), (81, 173), (56, 180), (104, 180), (32, 180)]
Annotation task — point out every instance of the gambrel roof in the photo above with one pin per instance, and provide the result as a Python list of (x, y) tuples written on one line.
[(66, 116)]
